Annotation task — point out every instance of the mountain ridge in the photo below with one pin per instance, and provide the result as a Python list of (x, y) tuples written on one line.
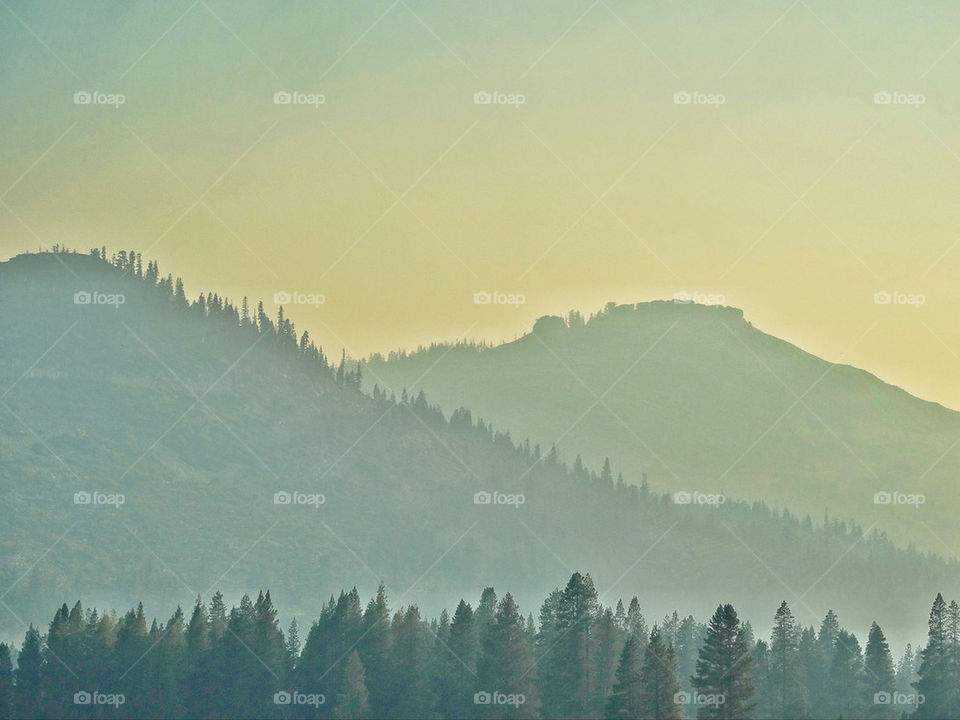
[(199, 415), (749, 383)]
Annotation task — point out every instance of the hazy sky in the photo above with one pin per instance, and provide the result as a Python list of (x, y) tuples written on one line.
[(797, 199)]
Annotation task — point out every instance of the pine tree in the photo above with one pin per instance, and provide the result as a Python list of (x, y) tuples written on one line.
[(268, 647), (61, 654), (760, 655), (659, 691), (218, 616), (27, 696), (953, 656), (847, 687), (789, 695), (818, 685), (292, 649), (505, 664), (459, 676), (879, 676), (907, 676), (408, 686), (352, 702), (636, 624), (605, 649), (374, 648), (934, 670), (625, 702), (568, 662), (723, 680), (810, 663), (199, 646), (6, 682), (169, 669), (133, 642)]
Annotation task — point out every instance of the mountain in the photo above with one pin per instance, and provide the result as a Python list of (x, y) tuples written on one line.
[(197, 414), (699, 399)]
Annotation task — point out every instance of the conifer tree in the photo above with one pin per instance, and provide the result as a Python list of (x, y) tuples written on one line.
[(374, 647), (723, 676), (408, 686), (789, 698), (27, 678), (625, 702), (567, 664), (934, 671), (169, 669), (352, 702), (6, 681), (292, 648), (459, 679), (604, 652), (906, 671), (218, 616), (847, 686), (879, 675), (505, 665), (659, 691), (636, 624)]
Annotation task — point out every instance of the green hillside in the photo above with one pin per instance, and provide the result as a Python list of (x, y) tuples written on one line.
[(198, 415), (699, 399)]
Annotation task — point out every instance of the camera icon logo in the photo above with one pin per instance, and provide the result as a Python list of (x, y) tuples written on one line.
[(82, 498), (882, 97), (682, 498), (282, 298), (82, 97), (681, 97), (482, 498), (482, 698), (282, 97), (82, 698), (882, 498), (881, 298), (482, 298), (282, 498), (282, 698), (82, 297), (882, 698), (482, 98)]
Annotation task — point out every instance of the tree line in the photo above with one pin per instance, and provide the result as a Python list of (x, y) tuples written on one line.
[(578, 660)]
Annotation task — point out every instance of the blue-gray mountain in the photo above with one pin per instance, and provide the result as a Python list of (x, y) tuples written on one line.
[(699, 399), (199, 413)]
